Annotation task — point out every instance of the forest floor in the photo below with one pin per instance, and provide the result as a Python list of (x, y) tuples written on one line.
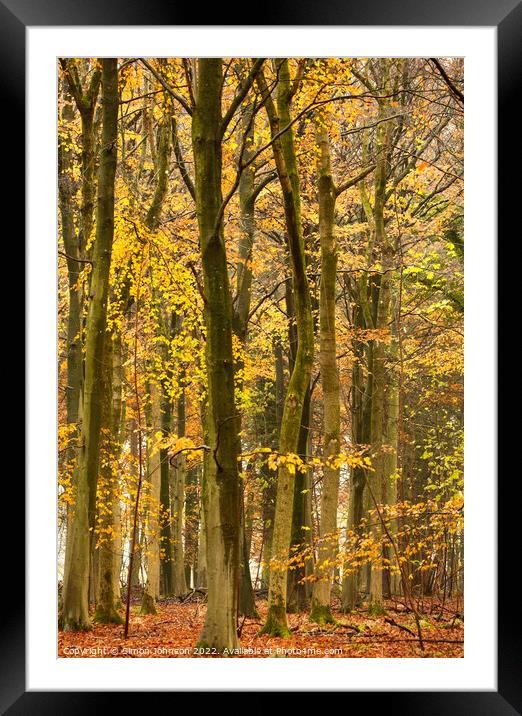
[(174, 630)]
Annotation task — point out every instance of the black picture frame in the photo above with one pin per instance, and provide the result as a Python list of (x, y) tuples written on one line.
[(506, 16)]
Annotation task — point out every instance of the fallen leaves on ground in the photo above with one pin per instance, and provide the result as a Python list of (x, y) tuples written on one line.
[(174, 630)]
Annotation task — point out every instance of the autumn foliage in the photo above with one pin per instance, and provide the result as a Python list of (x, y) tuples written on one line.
[(329, 193)]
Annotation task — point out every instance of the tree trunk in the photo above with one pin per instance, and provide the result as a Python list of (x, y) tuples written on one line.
[(286, 165), (221, 488), (297, 591), (179, 581), (391, 476), (201, 581), (75, 248), (74, 324), (136, 562), (361, 404), (106, 605), (272, 440), (247, 605), (321, 612), (151, 591), (192, 526), (167, 547), (75, 607), (376, 478), (118, 430)]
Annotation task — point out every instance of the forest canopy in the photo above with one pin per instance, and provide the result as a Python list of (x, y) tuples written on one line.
[(260, 351)]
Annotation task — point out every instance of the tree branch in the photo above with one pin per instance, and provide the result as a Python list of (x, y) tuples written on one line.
[(455, 90), (182, 101), (241, 94)]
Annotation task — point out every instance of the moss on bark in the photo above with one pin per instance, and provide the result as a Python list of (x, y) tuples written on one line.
[(148, 605), (276, 624), (76, 613), (322, 614), (107, 616), (221, 488), (286, 165)]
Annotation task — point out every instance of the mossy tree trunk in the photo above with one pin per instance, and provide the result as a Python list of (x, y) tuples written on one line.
[(74, 318), (76, 588), (382, 305), (221, 488), (162, 161), (328, 544), (327, 550), (85, 96), (153, 489), (298, 592), (106, 606), (286, 165), (85, 99)]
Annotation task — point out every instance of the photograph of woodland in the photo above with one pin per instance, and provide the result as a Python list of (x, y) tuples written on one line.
[(260, 357)]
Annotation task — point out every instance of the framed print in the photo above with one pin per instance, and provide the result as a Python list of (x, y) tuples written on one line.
[(258, 355)]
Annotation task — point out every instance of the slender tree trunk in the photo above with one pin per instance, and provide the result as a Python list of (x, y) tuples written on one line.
[(179, 581), (201, 570), (136, 562), (390, 458), (74, 323), (201, 574), (167, 547), (247, 605), (298, 591), (118, 431), (76, 589), (161, 411), (272, 440), (376, 478), (286, 164), (151, 591), (192, 523), (164, 149), (221, 489), (321, 612), (361, 412)]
